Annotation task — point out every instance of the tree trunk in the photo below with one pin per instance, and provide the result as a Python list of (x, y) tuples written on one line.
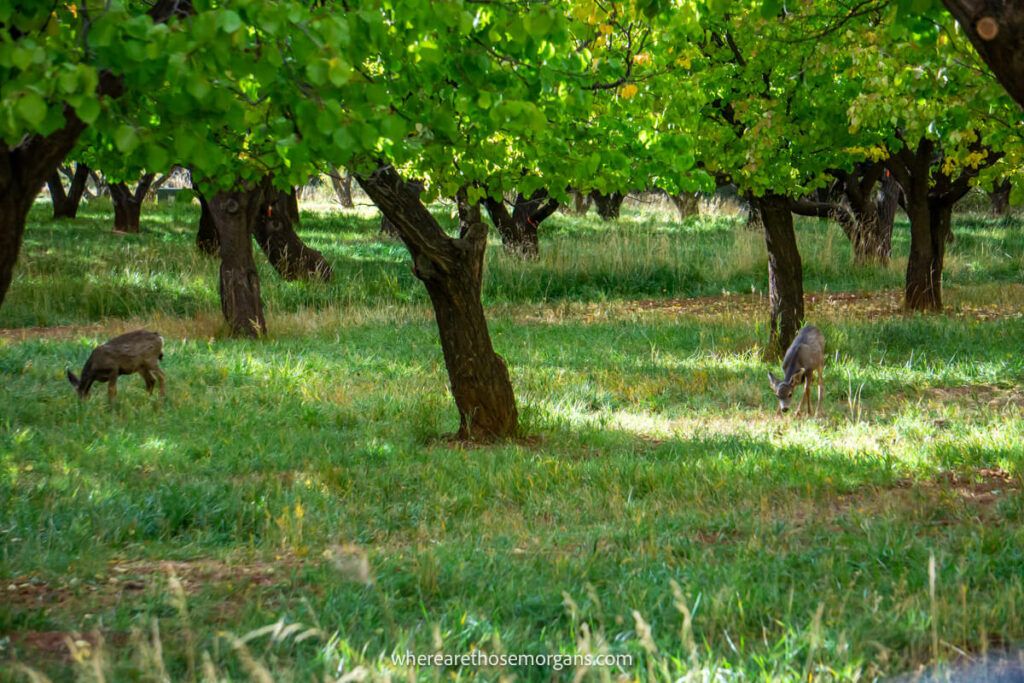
[(519, 229), (75, 193), (580, 203), (275, 233), (207, 240), (863, 202), (387, 228), (24, 169), (929, 196), (785, 273), (886, 203), (686, 203), (342, 184), (128, 204), (753, 222), (996, 29), (1000, 199), (928, 233), (451, 269), (234, 213), (58, 198), (608, 205)]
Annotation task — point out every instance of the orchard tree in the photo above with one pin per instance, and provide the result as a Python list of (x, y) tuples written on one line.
[(61, 64), (66, 202), (770, 118), (441, 93), (937, 127)]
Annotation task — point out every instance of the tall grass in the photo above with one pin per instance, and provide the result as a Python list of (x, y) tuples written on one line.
[(72, 272), (295, 511)]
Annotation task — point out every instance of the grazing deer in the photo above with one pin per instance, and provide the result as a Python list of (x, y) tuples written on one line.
[(140, 351), (806, 355)]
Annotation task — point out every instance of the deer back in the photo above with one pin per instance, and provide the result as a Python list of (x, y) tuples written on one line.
[(807, 352), (128, 352)]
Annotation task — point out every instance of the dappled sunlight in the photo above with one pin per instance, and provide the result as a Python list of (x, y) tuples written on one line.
[(652, 469)]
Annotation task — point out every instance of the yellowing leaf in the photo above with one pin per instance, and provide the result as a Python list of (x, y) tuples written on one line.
[(628, 90)]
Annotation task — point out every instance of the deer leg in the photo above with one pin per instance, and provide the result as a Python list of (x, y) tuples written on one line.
[(147, 377), (112, 388), (805, 399), (821, 383), (160, 380)]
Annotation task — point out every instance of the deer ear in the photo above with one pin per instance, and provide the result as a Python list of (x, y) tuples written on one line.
[(72, 379), (798, 377), (773, 380)]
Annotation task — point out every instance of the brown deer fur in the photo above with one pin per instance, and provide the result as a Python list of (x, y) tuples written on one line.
[(140, 351)]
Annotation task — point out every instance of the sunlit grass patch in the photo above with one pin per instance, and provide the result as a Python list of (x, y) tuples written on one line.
[(655, 504)]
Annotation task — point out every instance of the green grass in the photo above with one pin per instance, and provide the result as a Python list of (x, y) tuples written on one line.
[(654, 487)]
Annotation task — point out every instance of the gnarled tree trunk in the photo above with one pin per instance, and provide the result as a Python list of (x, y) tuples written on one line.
[(65, 204), (785, 273), (1000, 198), (608, 205), (341, 181), (518, 229), (864, 204), (24, 169), (75, 191), (580, 202), (234, 213), (128, 203), (451, 269), (929, 196), (686, 203), (275, 233)]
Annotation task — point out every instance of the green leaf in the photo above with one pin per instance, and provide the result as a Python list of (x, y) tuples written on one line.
[(88, 109), (126, 139), (229, 21), (538, 23), (32, 108), (339, 72), (316, 72), (157, 159), (771, 8)]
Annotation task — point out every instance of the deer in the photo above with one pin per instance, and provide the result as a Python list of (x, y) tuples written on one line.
[(140, 351), (805, 356)]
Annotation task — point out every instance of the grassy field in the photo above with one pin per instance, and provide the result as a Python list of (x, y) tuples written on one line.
[(655, 506)]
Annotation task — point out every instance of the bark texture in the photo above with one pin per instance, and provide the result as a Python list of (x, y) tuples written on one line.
[(996, 29), (1000, 199), (128, 203), (785, 273), (234, 213), (519, 228), (275, 233), (687, 204), (341, 181), (24, 169), (580, 202), (25, 166), (608, 205), (451, 269), (929, 196), (65, 204), (864, 203)]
